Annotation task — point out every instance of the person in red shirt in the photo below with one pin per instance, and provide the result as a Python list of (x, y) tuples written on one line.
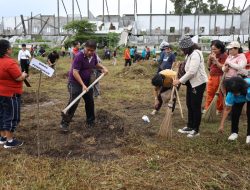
[(215, 62), (11, 79), (247, 54), (76, 49)]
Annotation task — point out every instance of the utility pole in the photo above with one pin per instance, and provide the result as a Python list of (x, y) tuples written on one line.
[(232, 24), (88, 9), (73, 10), (165, 23), (150, 24), (58, 17)]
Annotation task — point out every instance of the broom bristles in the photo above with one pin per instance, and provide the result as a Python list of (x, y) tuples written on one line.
[(210, 115), (166, 125)]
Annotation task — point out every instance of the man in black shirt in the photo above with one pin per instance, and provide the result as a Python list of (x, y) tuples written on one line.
[(52, 57)]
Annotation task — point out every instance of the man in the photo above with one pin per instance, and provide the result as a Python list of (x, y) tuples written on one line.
[(24, 58), (79, 80), (75, 49), (127, 56), (52, 58)]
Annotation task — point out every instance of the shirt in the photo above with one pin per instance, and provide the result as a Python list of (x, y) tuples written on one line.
[(247, 54), (126, 54), (214, 69), (231, 99), (85, 67), (166, 60), (132, 51), (23, 54), (9, 72)]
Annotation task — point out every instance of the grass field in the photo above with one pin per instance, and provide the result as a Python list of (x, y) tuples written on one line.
[(121, 152)]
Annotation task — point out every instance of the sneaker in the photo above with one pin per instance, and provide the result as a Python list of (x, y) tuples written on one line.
[(185, 130), (3, 140), (233, 137), (248, 139), (15, 143), (153, 112), (64, 127), (193, 134)]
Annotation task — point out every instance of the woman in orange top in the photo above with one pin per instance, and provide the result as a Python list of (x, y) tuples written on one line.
[(11, 79), (127, 56), (215, 62)]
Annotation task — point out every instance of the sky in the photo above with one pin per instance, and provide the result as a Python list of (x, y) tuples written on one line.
[(49, 7)]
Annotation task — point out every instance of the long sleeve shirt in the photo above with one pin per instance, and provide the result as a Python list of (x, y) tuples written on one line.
[(23, 55)]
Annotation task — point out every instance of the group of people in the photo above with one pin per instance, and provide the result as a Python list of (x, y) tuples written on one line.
[(227, 66)]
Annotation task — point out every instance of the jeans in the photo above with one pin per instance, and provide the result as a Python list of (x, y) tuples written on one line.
[(236, 112), (193, 101), (9, 112), (74, 90)]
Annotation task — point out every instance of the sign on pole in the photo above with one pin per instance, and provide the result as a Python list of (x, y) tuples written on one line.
[(45, 69)]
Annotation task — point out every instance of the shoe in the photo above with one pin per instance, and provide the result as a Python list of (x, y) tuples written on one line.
[(64, 127), (185, 130), (153, 112), (3, 140), (193, 134), (248, 139), (15, 143), (233, 137), (203, 111)]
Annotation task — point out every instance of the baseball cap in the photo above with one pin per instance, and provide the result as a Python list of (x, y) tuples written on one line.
[(233, 44)]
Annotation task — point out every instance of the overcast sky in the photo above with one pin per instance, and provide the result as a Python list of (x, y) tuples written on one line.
[(49, 7)]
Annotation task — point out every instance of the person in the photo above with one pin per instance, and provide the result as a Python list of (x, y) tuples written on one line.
[(10, 96), (195, 79), (143, 54), (132, 54), (238, 93), (32, 49), (79, 80), (52, 58), (96, 74), (42, 51), (147, 52), (24, 58), (162, 82), (216, 59), (235, 62), (247, 55), (106, 53), (166, 59), (154, 53), (75, 49), (127, 57), (63, 51)]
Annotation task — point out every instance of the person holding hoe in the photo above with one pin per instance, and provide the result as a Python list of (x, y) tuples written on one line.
[(79, 80)]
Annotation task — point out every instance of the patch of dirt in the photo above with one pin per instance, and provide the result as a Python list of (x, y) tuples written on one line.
[(30, 97), (100, 142), (134, 72)]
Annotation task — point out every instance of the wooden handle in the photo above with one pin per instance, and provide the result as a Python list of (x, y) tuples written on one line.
[(80, 95)]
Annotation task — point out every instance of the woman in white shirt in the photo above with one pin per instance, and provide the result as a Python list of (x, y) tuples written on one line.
[(195, 79), (24, 59)]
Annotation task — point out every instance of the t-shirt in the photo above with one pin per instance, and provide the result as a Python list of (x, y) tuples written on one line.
[(52, 57), (231, 99), (85, 67), (247, 54), (132, 51), (166, 60), (214, 69), (9, 72)]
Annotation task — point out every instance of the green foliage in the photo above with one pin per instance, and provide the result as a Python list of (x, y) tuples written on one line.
[(80, 27), (113, 39)]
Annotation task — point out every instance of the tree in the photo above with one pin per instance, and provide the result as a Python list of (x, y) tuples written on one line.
[(80, 27), (113, 39)]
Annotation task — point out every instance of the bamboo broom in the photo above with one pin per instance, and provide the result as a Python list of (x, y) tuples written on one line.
[(210, 115), (166, 125)]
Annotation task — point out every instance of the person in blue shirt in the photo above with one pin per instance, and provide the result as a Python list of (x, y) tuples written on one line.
[(132, 54), (166, 59), (143, 54), (238, 93)]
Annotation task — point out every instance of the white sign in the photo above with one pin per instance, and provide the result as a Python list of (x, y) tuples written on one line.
[(47, 70)]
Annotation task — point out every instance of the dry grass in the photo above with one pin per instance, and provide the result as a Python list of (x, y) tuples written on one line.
[(133, 159)]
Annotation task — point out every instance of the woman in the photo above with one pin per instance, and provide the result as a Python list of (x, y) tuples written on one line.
[(24, 58), (10, 96), (235, 62), (195, 79), (238, 93), (215, 62)]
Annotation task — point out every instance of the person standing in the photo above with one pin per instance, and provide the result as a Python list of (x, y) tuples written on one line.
[(132, 54), (114, 56), (166, 59), (75, 49), (24, 59), (127, 57), (195, 79), (79, 80), (238, 93), (216, 60), (10, 96)]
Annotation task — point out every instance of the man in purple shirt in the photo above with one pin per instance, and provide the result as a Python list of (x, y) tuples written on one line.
[(79, 80)]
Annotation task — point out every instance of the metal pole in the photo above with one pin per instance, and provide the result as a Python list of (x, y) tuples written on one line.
[(58, 17), (233, 19), (54, 24), (41, 21), (215, 17), (165, 23), (15, 26), (150, 24), (31, 23), (118, 13), (103, 11), (73, 10), (3, 24), (88, 8), (79, 9), (198, 26)]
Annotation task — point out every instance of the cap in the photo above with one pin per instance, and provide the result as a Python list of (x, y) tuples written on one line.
[(233, 44)]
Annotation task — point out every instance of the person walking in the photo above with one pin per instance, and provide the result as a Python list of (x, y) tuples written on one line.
[(195, 79), (127, 57), (79, 80), (10, 96)]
